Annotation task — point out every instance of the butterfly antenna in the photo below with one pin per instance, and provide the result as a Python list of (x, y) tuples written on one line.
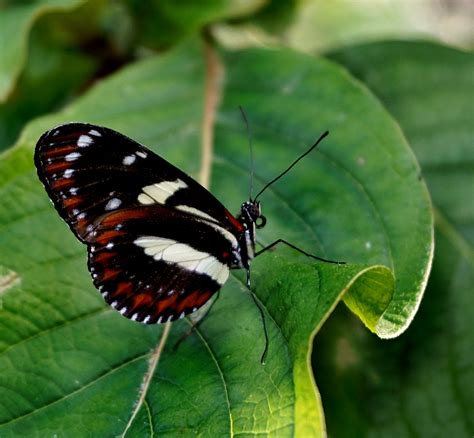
[(292, 164), (249, 136)]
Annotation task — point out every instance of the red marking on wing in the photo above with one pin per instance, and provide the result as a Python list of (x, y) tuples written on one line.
[(107, 236), (104, 256), (123, 288), (235, 222), (56, 167), (62, 183), (166, 303), (59, 151), (109, 274), (72, 202), (195, 299), (81, 225), (121, 216), (142, 299)]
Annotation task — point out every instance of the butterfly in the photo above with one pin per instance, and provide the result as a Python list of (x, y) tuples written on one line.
[(159, 244)]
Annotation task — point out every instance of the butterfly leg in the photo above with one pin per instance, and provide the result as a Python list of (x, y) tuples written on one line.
[(195, 324), (266, 248)]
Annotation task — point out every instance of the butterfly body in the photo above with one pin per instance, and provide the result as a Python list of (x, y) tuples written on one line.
[(159, 244)]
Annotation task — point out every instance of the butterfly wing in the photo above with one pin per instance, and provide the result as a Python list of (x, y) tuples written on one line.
[(89, 171), (155, 264), (159, 243)]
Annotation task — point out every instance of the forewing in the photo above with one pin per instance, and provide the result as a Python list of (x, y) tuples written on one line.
[(156, 264), (90, 171)]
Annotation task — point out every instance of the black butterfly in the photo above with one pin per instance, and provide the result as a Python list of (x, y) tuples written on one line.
[(159, 244)]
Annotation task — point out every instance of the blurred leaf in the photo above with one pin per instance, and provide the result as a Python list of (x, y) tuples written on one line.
[(276, 15), (160, 23), (50, 78), (421, 384), (327, 25), (71, 365), (16, 21)]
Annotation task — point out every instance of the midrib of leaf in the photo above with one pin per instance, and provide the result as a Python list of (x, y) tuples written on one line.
[(211, 100), (213, 71), (152, 364)]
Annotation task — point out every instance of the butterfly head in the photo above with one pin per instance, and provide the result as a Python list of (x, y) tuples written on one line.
[(251, 213)]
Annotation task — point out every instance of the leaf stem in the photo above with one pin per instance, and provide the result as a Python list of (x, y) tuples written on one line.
[(154, 359), (211, 100)]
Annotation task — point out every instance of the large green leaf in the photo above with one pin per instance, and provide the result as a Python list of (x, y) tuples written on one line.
[(356, 220), (71, 365), (421, 384)]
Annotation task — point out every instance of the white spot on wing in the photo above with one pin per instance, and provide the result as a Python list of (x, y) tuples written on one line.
[(73, 190), (123, 310), (160, 192), (110, 245), (84, 141), (141, 154), (68, 173), (134, 317), (185, 256), (147, 319), (145, 199), (129, 159), (113, 204), (94, 132), (72, 156)]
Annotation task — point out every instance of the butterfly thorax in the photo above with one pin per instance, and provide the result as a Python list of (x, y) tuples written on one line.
[(250, 217)]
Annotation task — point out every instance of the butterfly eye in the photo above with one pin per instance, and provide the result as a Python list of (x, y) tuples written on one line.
[(260, 221)]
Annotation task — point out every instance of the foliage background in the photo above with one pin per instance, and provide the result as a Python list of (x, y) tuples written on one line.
[(409, 60)]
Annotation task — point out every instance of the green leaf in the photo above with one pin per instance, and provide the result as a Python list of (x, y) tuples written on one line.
[(162, 23), (34, 95), (72, 365), (351, 205), (322, 25), (420, 384), (15, 25)]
